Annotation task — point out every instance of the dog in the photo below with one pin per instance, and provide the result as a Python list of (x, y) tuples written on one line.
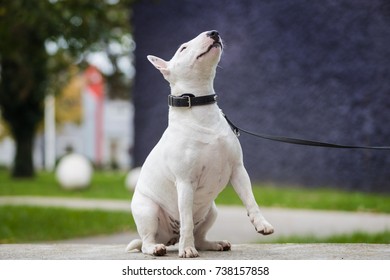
[(194, 160)]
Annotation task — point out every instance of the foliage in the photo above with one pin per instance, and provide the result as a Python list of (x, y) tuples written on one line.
[(3, 129), (31, 224), (39, 40)]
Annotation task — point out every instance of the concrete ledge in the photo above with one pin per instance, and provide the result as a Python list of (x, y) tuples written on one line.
[(239, 252)]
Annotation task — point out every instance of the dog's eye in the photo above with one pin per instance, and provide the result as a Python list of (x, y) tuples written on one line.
[(182, 49)]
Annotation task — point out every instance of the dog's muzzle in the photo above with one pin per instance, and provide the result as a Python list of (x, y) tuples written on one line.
[(216, 44), (213, 35)]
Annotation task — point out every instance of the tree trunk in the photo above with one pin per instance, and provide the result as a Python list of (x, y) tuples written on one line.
[(23, 161), (22, 91)]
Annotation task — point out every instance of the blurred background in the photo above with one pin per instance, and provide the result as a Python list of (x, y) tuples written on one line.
[(297, 68), (74, 78), (309, 69), (66, 78)]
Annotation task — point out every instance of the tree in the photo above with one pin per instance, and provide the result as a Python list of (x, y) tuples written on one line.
[(38, 40)]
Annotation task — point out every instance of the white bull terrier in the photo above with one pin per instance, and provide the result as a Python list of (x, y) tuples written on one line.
[(196, 157)]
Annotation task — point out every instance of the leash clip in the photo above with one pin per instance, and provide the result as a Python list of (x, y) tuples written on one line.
[(234, 128)]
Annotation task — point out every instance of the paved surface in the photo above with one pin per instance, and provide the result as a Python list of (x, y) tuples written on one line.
[(232, 224), (239, 252)]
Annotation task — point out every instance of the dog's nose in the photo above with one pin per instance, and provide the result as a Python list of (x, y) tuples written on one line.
[(213, 34)]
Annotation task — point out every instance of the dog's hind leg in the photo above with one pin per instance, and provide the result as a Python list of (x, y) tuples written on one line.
[(146, 216), (242, 185), (201, 230)]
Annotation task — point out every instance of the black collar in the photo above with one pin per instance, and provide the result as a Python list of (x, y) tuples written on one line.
[(188, 100)]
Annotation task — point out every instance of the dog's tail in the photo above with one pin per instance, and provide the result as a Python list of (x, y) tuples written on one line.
[(136, 244)]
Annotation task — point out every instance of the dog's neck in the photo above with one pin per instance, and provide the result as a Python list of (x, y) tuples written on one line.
[(198, 88), (206, 116)]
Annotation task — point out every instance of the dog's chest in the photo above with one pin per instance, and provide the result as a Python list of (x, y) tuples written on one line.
[(202, 156), (192, 142)]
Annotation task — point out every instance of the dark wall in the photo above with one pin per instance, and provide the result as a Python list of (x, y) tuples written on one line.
[(313, 69)]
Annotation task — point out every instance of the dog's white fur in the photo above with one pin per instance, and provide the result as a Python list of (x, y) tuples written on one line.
[(195, 158)]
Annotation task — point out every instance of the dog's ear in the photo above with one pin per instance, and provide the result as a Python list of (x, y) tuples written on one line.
[(160, 64)]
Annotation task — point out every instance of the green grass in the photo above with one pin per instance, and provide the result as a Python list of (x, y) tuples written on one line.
[(320, 199), (110, 185), (21, 224), (32, 224), (356, 237), (104, 185)]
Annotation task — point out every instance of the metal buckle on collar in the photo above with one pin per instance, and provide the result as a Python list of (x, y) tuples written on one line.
[(188, 100), (188, 96)]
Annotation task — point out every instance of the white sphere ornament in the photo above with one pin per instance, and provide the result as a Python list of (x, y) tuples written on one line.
[(132, 178), (74, 171)]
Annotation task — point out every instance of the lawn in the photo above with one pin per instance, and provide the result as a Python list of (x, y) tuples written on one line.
[(356, 237), (104, 185), (304, 198), (20, 224), (110, 185), (32, 224)]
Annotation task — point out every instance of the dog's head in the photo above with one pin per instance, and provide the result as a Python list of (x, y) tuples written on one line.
[(194, 61)]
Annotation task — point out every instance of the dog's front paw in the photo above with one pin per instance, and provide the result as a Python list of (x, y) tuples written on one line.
[(188, 252), (159, 250), (264, 227)]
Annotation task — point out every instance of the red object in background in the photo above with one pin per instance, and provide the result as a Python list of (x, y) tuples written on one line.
[(95, 81), (95, 85)]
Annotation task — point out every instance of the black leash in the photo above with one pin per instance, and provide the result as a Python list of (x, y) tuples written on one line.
[(297, 141), (188, 100)]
